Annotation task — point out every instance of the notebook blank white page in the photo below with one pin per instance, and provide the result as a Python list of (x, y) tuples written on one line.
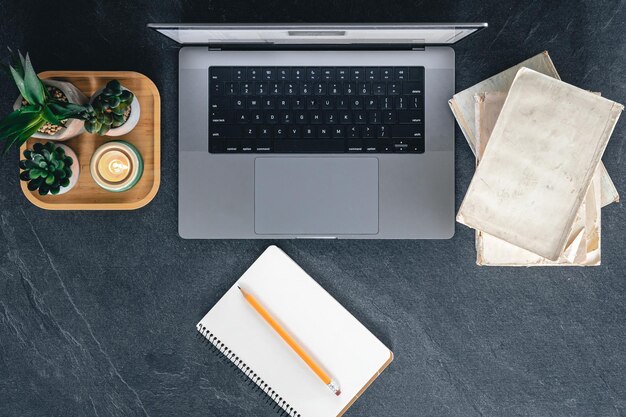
[(348, 352)]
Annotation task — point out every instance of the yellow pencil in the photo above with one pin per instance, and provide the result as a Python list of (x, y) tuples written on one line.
[(330, 383)]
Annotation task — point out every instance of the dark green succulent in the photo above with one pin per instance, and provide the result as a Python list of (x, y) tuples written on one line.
[(40, 107), (46, 168), (110, 109)]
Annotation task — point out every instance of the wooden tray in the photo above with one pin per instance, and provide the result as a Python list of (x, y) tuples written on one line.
[(146, 136)]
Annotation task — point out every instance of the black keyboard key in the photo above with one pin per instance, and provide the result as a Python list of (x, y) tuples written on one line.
[(239, 74), (328, 103), (353, 132), (374, 117), (232, 146), (401, 73), (416, 74), (256, 117), (338, 132), (282, 74), (286, 118), (385, 146), (335, 89), (341, 103), (297, 103), (280, 132), (364, 88), (291, 89), (330, 117), (415, 102), (357, 74), (246, 89), (224, 131), (393, 89), (293, 131), (242, 117), (386, 103), (323, 132), (272, 117), (356, 103), (219, 74), (254, 74), (389, 116), (269, 74), (282, 103), (276, 89), (253, 103), (411, 88), (216, 88), (409, 116), (313, 103), (301, 117), (319, 89), (265, 132), (355, 145), (219, 102), (386, 74), (345, 117), (407, 131), (368, 132), (263, 146), (231, 88), (372, 74), (371, 103), (360, 118), (298, 74), (308, 132), (268, 103), (379, 89), (316, 117), (313, 74), (370, 146), (383, 132), (260, 88), (349, 89), (401, 103), (239, 103), (246, 146), (248, 132), (220, 117), (309, 146), (305, 89), (328, 74), (342, 74)]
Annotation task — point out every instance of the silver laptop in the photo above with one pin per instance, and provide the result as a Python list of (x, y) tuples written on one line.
[(316, 131)]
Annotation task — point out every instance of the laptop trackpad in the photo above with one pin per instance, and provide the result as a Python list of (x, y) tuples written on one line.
[(316, 196)]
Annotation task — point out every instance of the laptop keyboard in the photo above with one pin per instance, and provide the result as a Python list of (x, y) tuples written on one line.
[(316, 109)]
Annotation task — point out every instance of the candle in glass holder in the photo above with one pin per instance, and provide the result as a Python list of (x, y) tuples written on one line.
[(116, 166)]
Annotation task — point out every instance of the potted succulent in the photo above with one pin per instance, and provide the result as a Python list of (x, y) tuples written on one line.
[(45, 109), (114, 111), (50, 168)]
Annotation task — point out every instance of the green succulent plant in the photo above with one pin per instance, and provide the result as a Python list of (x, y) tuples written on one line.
[(46, 168), (41, 107), (110, 109)]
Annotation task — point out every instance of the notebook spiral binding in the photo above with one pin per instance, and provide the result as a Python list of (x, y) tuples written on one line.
[(229, 357)]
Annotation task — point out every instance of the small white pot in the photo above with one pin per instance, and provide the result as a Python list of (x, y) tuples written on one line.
[(73, 127), (75, 168), (133, 118)]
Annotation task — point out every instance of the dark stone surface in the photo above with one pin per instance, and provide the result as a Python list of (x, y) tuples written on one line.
[(97, 309)]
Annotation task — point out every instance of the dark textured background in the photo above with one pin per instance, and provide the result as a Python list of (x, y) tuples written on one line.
[(97, 309)]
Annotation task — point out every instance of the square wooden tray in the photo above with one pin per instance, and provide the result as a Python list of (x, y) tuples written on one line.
[(146, 137)]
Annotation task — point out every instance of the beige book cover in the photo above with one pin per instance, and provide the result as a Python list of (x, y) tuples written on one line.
[(462, 103), (583, 248), (540, 160), (463, 107)]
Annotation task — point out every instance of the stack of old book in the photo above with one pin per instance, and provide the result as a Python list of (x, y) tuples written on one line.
[(539, 185)]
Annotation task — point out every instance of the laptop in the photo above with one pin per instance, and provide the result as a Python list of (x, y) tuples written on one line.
[(316, 130)]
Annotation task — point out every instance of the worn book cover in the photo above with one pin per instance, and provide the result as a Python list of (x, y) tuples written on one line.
[(539, 162), (462, 103), (463, 108), (583, 247)]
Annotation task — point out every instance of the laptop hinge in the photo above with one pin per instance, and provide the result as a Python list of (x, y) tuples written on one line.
[(417, 48), (214, 48)]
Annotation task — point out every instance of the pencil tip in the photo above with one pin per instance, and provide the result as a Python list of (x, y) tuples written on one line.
[(238, 287)]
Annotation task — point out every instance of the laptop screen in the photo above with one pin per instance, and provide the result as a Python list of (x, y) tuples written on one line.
[(314, 34)]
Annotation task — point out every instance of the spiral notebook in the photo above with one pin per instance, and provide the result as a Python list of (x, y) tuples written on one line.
[(329, 333)]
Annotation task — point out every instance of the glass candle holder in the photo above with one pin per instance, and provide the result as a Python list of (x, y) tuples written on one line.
[(116, 166)]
